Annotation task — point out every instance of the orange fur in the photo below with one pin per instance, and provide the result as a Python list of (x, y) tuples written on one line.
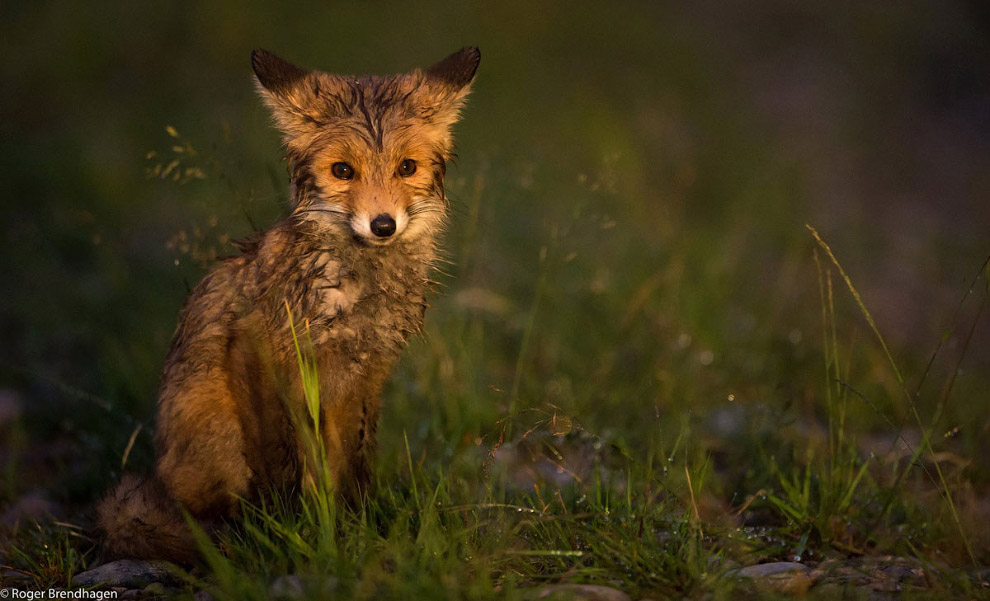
[(352, 261)]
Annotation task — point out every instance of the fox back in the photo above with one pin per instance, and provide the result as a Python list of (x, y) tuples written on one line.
[(350, 266)]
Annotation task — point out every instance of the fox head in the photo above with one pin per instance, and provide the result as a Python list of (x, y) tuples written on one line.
[(367, 154)]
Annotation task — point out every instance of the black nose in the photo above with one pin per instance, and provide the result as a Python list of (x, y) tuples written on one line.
[(383, 226)]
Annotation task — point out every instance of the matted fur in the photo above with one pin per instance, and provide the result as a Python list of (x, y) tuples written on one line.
[(231, 377)]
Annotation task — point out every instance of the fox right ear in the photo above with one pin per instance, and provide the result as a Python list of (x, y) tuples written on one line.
[(280, 84), (275, 74)]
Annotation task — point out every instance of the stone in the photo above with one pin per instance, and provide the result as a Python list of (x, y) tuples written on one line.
[(579, 592), (780, 576), (129, 573), (11, 407), (31, 506), (156, 588), (287, 587), (203, 596), (294, 586)]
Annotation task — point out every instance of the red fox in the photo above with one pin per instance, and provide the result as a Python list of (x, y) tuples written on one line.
[(367, 157)]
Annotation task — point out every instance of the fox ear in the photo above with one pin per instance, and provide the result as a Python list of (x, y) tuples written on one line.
[(281, 86), (457, 70), (447, 83), (275, 74)]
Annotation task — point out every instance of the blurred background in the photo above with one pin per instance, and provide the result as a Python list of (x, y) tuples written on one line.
[(628, 242)]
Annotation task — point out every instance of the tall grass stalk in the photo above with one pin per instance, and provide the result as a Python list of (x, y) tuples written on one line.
[(926, 431)]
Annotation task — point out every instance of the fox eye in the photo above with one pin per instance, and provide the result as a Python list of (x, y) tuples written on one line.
[(342, 171), (407, 167)]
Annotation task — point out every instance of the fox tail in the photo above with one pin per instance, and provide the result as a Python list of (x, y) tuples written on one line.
[(140, 520)]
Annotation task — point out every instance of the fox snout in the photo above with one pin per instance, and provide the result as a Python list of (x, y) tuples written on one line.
[(379, 227), (383, 225)]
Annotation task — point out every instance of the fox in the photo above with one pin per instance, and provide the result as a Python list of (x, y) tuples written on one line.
[(352, 261)]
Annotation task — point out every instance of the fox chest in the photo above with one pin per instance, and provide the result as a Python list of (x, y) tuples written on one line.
[(361, 314)]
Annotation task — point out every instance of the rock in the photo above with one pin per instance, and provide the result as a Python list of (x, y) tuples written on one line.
[(556, 455), (294, 586), (781, 576), (31, 506), (287, 587), (11, 576), (766, 570), (130, 573), (203, 596), (579, 592), (155, 588), (11, 406), (881, 574)]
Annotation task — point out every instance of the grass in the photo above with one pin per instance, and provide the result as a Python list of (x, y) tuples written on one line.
[(487, 500), (640, 371), (436, 535), (485, 492), (447, 533)]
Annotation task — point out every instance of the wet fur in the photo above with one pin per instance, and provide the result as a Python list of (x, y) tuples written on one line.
[(231, 378)]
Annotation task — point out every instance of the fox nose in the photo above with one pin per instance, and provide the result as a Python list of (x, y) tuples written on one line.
[(383, 225)]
